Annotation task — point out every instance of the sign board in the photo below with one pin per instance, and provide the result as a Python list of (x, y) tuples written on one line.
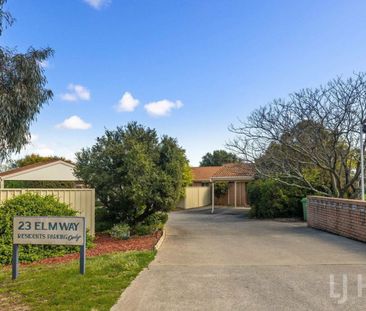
[(48, 231)]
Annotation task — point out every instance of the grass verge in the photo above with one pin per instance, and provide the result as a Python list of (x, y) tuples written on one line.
[(61, 287)]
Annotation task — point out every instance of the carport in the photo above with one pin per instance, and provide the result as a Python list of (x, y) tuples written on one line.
[(236, 174)]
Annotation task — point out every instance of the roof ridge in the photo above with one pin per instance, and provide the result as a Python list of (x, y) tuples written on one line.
[(30, 166)]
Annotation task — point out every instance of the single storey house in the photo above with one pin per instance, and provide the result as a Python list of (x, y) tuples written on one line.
[(237, 175)]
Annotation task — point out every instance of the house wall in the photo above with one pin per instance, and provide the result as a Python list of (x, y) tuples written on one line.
[(80, 200), (196, 197), (228, 199), (339, 216)]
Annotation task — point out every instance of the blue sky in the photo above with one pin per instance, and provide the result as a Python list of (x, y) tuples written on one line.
[(190, 68)]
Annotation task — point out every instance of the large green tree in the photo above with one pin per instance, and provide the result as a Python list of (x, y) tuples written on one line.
[(22, 90), (218, 157), (135, 173)]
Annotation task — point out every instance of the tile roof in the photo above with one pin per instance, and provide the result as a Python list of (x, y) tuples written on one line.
[(227, 170), (236, 170), (28, 167), (204, 173)]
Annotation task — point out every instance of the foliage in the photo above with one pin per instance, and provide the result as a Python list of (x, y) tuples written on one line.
[(120, 231), (135, 174), (270, 199), (309, 140), (36, 158), (38, 184), (60, 287), (186, 179), (22, 91), (30, 204), (218, 158), (103, 219), (221, 188), (151, 224), (144, 229)]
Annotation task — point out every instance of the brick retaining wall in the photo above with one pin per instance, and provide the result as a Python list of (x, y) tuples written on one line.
[(340, 216)]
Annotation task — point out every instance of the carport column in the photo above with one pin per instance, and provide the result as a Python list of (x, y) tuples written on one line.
[(235, 192), (213, 197), (228, 194)]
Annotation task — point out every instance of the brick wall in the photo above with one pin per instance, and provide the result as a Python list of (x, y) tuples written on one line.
[(340, 216)]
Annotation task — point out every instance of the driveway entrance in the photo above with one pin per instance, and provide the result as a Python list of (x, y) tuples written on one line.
[(226, 261)]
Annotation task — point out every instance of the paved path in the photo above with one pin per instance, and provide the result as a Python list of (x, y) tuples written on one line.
[(226, 261)]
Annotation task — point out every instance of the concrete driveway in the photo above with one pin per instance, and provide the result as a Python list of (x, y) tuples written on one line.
[(226, 261)]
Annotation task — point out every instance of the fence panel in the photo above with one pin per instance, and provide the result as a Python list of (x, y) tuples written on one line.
[(196, 197), (80, 200)]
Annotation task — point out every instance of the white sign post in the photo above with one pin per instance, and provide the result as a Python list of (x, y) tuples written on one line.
[(48, 230)]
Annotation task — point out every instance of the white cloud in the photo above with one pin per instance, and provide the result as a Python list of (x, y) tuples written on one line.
[(74, 123), (34, 146), (44, 64), (97, 4), (127, 103), (76, 92), (162, 108), (44, 151)]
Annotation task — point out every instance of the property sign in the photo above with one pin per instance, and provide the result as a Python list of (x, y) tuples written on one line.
[(49, 230)]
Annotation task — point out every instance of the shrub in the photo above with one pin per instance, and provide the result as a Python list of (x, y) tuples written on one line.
[(163, 217), (120, 231), (151, 224), (30, 204), (270, 199), (221, 188), (135, 172), (142, 229), (38, 184), (103, 219), (156, 219)]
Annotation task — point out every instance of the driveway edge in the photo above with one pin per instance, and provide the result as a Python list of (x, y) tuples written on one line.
[(116, 306), (161, 240)]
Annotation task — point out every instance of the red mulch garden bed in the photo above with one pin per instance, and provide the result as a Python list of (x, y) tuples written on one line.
[(104, 244)]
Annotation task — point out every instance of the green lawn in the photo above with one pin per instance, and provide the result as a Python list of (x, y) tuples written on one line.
[(61, 287)]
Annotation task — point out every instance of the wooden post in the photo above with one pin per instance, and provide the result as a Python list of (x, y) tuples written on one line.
[(213, 197), (228, 194), (15, 262), (235, 192)]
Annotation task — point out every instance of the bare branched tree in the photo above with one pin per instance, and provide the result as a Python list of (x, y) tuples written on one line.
[(310, 140)]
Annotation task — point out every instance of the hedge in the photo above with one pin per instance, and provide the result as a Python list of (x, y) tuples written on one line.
[(271, 199), (30, 204)]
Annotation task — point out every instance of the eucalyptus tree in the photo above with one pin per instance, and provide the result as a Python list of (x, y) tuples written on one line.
[(309, 140), (22, 90)]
